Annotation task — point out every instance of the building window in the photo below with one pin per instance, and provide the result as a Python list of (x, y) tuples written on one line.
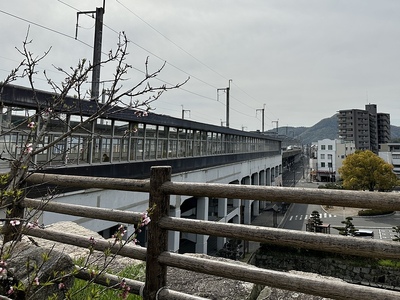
[(322, 165), (330, 147), (322, 147), (342, 156), (322, 156), (330, 156), (329, 165)]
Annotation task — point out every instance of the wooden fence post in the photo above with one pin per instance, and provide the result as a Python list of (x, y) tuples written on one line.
[(156, 273)]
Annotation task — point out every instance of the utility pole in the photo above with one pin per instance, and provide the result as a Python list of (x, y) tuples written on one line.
[(276, 125), (98, 36), (227, 100), (94, 93), (183, 112), (262, 116)]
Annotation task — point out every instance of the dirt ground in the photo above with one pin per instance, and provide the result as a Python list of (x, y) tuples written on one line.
[(340, 211)]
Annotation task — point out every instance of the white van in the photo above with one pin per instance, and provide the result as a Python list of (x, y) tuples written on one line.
[(364, 233)]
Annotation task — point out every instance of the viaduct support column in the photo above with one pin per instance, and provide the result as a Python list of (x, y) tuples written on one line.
[(236, 206), (222, 213), (202, 214), (256, 203), (174, 236)]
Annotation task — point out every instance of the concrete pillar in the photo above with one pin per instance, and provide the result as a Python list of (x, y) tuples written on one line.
[(246, 203), (261, 182), (222, 212), (268, 177), (174, 236), (236, 205), (247, 212), (202, 214), (256, 203), (222, 207)]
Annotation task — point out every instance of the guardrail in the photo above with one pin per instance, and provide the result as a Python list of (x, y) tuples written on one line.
[(157, 258)]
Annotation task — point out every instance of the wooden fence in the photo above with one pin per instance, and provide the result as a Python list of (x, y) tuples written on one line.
[(157, 258)]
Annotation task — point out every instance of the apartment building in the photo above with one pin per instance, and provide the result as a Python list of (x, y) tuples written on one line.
[(330, 157), (366, 128), (390, 152)]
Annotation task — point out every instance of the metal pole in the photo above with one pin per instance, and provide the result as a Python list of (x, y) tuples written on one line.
[(263, 112), (227, 106), (97, 53)]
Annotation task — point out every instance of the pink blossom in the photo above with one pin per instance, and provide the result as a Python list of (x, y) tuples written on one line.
[(122, 229), (46, 113), (139, 113), (29, 148), (31, 125), (145, 218), (32, 225), (15, 222), (10, 291), (92, 240), (61, 286), (36, 280), (125, 289)]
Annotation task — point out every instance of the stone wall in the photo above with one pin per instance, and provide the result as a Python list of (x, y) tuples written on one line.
[(351, 269)]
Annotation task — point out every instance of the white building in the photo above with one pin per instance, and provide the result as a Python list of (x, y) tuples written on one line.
[(391, 154), (330, 157)]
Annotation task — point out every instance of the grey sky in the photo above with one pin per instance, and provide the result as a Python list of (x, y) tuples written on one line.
[(303, 59)]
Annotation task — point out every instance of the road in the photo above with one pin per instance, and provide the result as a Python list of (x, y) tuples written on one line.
[(297, 214)]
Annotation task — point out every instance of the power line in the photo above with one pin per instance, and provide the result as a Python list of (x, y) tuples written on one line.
[(90, 46), (44, 27), (188, 53), (168, 39)]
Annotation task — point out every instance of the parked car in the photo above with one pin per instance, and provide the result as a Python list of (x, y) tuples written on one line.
[(364, 233)]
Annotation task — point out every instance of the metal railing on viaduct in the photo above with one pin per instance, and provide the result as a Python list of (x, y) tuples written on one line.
[(120, 138), (157, 258)]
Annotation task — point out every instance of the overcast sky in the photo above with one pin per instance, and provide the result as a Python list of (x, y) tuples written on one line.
[(303, 60)]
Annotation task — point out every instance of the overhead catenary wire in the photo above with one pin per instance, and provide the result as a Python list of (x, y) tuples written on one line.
[(195, 58), (144, 49)]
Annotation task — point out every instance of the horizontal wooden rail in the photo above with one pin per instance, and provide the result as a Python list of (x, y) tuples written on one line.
[(127, 250), (390, 201), (91, 182), (315, 285), (308, 240), (109, 280), (157, 259), (108, 214)]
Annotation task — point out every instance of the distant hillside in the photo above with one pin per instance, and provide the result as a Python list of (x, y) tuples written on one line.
[(324, 129)]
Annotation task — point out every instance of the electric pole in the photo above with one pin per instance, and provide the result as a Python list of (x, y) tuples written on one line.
[(262, 117), (94, 93), (184, 111), (98, 36), (227, 100), (276, 125)]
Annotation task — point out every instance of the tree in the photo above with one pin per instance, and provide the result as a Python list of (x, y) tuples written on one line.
[(396, 229), (36, 126), (348, 228), (364, 170), (314, 222)]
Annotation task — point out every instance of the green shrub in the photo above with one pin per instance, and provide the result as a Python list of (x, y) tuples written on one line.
[(389, 263), (99, 292), (374, 212)]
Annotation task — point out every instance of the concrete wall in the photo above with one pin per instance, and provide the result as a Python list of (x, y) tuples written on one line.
[(263, 171), (356, 270)]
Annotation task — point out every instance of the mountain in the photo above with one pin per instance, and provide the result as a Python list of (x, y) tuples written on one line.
[(324, 129)]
